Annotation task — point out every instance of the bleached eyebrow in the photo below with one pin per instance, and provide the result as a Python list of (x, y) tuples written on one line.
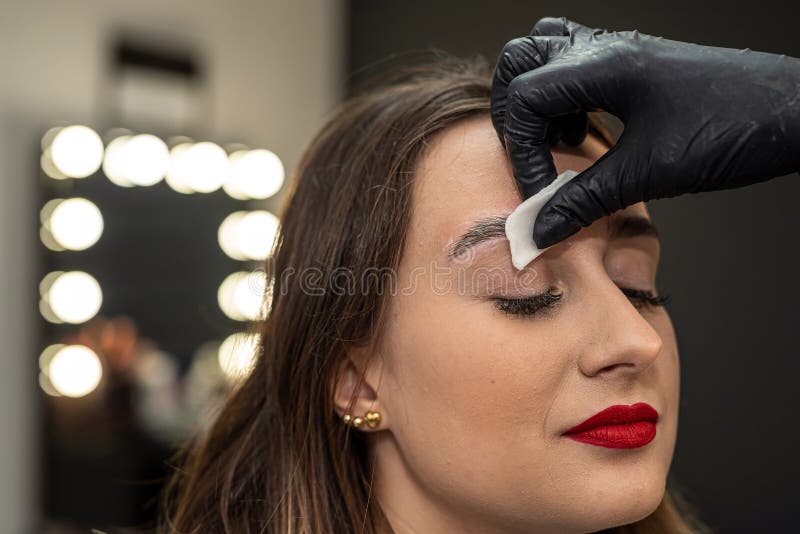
[(480, 231), (493, 227)]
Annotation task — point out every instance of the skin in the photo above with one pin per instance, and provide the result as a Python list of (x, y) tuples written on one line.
[(474, 401)]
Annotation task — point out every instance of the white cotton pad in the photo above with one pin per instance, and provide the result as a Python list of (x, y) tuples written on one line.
[(519, 225)]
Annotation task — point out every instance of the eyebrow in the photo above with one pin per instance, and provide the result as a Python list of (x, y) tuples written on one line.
[(620, 227), (481, 230), (631, 226)]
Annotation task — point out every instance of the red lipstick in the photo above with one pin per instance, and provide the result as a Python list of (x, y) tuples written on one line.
[(618, 427)]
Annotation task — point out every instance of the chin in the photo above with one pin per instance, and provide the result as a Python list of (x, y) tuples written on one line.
[(627, 505), (603, 504)]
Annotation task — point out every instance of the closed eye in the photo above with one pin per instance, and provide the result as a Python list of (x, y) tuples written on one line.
[(641, 297), (529, 306)]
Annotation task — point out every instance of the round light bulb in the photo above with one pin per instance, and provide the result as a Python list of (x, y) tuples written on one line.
[(255, 174), (74, 297), (176, 173), (77, 151), (115, 161), (75, 371), (49, 168), (227, 235), (237, 355), (241, 295), (203, 167), (75, 223), (146, 159), (256, 233), (231, 185)]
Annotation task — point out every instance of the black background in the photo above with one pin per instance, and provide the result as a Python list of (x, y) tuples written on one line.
[(729, 259)]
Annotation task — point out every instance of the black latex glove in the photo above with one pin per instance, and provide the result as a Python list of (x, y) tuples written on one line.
[(697, 118)]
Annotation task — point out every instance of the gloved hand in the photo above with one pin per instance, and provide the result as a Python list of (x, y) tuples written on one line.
[(697, 118)]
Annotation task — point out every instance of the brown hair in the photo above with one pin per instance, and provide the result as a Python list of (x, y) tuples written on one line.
[(277, 459)]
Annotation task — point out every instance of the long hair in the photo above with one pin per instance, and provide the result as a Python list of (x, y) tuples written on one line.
[(277, 458)]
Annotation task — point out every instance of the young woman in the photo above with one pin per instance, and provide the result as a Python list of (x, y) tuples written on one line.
[(410, 379)]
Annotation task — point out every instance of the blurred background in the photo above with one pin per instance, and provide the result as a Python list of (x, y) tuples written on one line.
[(145, 148)]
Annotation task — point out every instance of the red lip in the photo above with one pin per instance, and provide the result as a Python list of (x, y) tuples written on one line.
[(618, 427)]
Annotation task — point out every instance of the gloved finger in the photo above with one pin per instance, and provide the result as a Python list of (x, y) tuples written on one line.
[(518, 57), (554, 26), (534, 99), (610, 184), (570, 129)]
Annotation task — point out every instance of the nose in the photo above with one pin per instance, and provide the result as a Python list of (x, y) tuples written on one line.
[(622, 340)]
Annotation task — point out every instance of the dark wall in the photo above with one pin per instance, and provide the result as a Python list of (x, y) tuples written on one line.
[(730, 259)]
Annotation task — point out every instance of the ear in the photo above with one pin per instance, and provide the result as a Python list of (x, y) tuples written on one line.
[(356, 395)]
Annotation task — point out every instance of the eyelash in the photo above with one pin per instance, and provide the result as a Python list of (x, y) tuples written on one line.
[(529, 306), (641, 298)]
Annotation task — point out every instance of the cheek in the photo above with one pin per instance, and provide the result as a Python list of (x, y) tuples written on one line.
[(667, 366), (469, 399), (668, 370), (467, 379)]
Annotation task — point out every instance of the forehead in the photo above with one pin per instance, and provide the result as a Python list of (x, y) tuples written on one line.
[(464, 175), (463, 169)]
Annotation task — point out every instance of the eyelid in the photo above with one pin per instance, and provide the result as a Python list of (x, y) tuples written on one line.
[(531, 305), (631, 266), (645, 296)]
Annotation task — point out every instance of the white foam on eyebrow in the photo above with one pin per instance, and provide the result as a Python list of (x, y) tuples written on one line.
[(519, 225)]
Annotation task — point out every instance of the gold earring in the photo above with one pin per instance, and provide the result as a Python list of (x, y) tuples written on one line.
[(373, 419)]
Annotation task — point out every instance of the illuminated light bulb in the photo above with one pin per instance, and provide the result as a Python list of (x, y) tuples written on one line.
[(256, 174), (47, 282), (146, 159), (47, 312), (74, 296), (231, 186), (248, 235), (227, 235), (177, 169), (44, 232), (77, 151), (241, 295), (47, 356), (237, 355), (250, 297), (203, 167), (47, 210), (75, 223), (49, 135), (256, 233), (47, 386), (48, 240), (49, 168), (75, 371), (114, 162), (226, 296)]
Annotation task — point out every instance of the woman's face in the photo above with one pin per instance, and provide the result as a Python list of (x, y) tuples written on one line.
[(476, 389)]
